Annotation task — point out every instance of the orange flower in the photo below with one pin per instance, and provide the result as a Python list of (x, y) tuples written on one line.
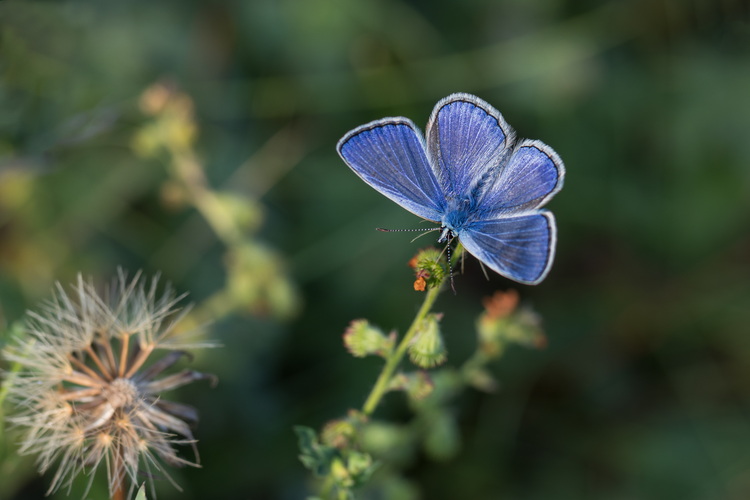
[(501, 304), (421, 282)]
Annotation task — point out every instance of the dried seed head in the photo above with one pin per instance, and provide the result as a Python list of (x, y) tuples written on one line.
[(88, 389)]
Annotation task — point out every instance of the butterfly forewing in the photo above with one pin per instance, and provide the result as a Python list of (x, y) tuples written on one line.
[(389, 155), (467, 140)]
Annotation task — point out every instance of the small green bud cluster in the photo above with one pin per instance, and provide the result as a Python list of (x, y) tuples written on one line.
[(362, 339), (428, 269)]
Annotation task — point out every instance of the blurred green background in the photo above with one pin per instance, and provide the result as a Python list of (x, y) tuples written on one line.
[(644, 389)]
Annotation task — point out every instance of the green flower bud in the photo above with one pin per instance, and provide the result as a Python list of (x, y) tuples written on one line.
[(503, 322), (490, 333), (340, 473), (427, 349), (361, 339), (526, 329), (482, 380), (428, 270), (360, 465), (417, 385), (338, 433)]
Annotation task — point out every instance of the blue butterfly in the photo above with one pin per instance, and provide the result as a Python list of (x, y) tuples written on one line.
[(472, 176)]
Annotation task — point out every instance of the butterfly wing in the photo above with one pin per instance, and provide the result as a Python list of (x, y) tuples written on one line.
[(467, 140), (533, 174), (476, 157), (520, 247), (473, 156), (389, 155)]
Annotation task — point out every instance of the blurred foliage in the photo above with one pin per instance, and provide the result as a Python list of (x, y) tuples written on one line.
[(350, 449), (644, 388)]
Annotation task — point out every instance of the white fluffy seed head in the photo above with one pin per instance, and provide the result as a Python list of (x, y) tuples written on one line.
[(87, 392)]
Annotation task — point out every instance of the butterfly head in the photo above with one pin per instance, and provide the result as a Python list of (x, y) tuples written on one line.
[(446, 234)]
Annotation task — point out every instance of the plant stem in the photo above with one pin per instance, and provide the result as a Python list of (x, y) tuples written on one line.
[(117, 475), (381, 385), (5, 387), (393, 360)]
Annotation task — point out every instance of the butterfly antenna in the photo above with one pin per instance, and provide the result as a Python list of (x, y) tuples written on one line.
[(424, 231), (402, 230)]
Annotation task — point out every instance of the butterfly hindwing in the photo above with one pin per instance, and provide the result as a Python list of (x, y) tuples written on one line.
[(389, 155), (521, 247), (532, 175)]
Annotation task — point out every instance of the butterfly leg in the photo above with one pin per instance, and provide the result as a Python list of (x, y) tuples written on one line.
[(449, 254)]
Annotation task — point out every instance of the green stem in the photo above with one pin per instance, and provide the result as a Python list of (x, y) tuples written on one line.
[(395, 358), (14, 369), (381, 385), (5, 386)]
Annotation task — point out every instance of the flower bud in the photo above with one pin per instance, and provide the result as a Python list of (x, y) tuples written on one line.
[(351, 469), (417, 385), (490, 333), (526, 329), (427, 349), (361, 339), (338, 433), (428, 270), (482, 380), (360, 465), (503, 322), (340, 473)]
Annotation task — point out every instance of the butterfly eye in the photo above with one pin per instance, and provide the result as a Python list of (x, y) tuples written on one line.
[(446, 234)]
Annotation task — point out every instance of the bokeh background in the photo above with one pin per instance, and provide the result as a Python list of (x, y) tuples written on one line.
[(644, 388)]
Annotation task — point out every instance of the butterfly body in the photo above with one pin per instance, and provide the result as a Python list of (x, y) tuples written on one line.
[(471, 176)]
